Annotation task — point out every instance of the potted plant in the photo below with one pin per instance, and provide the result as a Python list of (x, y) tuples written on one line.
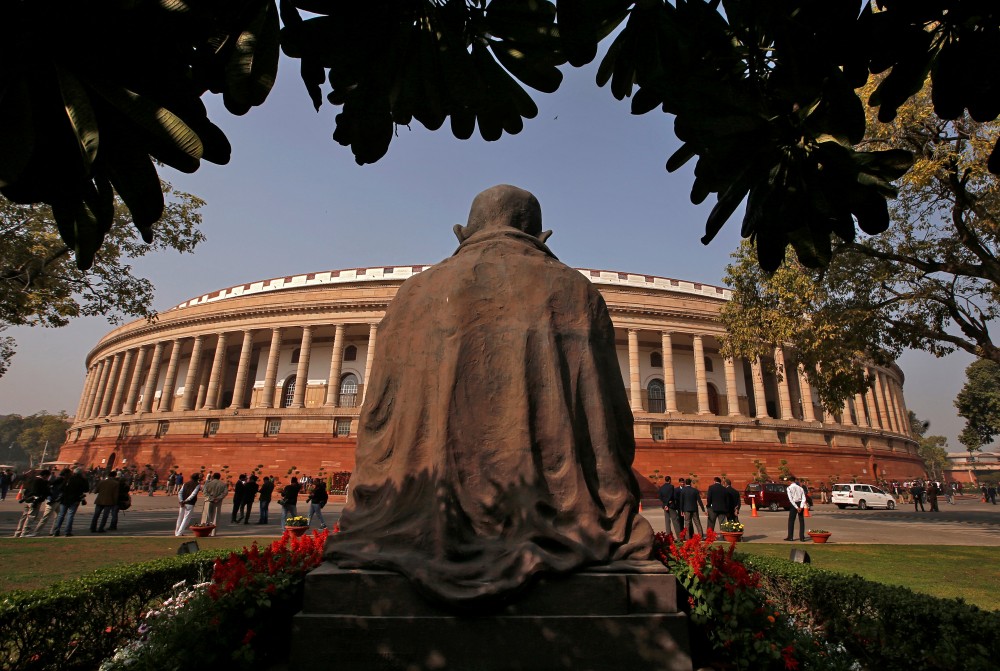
[(202, 530), (297, 525), (732, 531), (819, 535)]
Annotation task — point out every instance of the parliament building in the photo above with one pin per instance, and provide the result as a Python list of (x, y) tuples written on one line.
[(271, 375)]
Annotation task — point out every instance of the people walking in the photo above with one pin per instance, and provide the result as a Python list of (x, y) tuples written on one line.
[(317, 500), (797, 499), (34, 496), (266, 489), (108, 490), (186, 501), (289, 501), (932, 496), (690, 499), (250, 490), (668, 499), (51, 506), (238, 488), (715, 501), (917, 493), (74, 494)]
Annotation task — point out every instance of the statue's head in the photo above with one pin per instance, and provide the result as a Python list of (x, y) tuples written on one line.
[(504, 206)]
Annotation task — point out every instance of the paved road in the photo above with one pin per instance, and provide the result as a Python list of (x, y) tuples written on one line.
[(968, 522)]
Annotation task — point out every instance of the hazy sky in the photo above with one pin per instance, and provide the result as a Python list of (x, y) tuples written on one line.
[(293, 201)]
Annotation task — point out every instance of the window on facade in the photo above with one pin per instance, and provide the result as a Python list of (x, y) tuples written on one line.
[(349, 391), (342, 428), (708, 365), (211, 428), (272, 427), (656, 360), (296, 353), (123, 432), (828, 437), (726, 435), (97, 432), (656, 396), (162, 428), (783, 437), (350, 353), (288, 392)]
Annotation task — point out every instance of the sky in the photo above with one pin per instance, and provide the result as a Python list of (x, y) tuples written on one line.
[(293, 201)]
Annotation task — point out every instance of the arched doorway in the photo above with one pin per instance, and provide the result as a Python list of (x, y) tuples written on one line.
[(349, 391), (112, 458), (656, 397), (713, 399)]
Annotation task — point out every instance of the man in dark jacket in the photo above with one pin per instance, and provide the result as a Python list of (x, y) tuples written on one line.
[(718, 506), (51, 505), (73, 494), (733, 502), (249, 494), (108, 491), (265, 498), (34, 496), (238, 489), (668, 498), (690, 499)]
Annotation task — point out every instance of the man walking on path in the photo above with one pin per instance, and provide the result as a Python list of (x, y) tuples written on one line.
[(690, 503), (238, 488), (34, 495), (249, 494), (72, 496), (715, 498), (796, 497), (917, 492), (733, 503), (668, 498), (108, 490), (186, 501), (266, 488)]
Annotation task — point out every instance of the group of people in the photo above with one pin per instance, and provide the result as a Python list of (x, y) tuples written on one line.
[(682, 503), (51, 500), (245, 492)]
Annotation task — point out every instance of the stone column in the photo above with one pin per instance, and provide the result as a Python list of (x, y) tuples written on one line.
[(732, 396), (897, 395), (202, 386), (808, 414), (759, 395), (845, 417), (116, 365), (669, 383), (336, 365), (872, 401), (96, 394), (271, 376), (859, 407), (372, 332), (242, 370), (906, 413), (122, 384), (218, 370), (170, 381), (88, 381), (784, 393), (302, 372), (634, 390), (191, 380), (700, 380), (883, 409), (133, 390), (154, 373)]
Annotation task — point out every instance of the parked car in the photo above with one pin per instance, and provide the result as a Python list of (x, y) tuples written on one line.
[(861, 495), (770, 495)]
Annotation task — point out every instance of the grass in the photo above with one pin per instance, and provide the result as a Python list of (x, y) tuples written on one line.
[(946, 571), (971, 573)]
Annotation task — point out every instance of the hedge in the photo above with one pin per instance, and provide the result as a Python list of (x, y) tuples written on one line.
[(76, 624), (884, 627)]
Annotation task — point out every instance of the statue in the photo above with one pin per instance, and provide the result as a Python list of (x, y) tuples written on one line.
[(495, 441)]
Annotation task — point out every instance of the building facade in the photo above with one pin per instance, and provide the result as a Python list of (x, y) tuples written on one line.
[(271, 375)]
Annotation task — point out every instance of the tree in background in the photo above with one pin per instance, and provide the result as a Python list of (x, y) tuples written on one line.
[(933, 449), (930, 282), (40, 285), (25, 438), (979, 403), (761, 94)]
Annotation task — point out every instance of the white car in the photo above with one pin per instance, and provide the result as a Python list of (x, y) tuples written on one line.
[(862, 496)]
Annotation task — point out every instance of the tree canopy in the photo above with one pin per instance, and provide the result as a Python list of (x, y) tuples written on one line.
[(41, 286), (930, 282), (762, 95), (25, 438), (979, 403)]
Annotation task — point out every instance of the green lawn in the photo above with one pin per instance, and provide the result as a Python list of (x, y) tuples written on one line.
[(972, 573)]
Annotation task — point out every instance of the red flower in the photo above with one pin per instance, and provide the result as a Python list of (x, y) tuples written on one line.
[(249, 636)]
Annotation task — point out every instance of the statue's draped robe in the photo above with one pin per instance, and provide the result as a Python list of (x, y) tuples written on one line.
[(495, 439)]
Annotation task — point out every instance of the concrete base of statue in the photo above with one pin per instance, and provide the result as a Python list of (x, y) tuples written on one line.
[(621, 616)]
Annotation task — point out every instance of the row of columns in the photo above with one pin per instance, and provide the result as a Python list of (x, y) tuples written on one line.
[(881, 406), (112, 384)]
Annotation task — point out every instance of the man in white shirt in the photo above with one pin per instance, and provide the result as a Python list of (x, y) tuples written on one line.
[(797, 497)]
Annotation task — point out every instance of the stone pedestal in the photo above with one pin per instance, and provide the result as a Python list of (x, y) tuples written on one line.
[(613, 618)]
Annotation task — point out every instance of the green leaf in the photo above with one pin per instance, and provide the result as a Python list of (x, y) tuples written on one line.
[(81, 114)]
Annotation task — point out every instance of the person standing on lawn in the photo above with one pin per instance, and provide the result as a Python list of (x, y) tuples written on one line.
[(34, 495), (215, 491), (266, 489), (186, 501), (797, 499), (73, 494)]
